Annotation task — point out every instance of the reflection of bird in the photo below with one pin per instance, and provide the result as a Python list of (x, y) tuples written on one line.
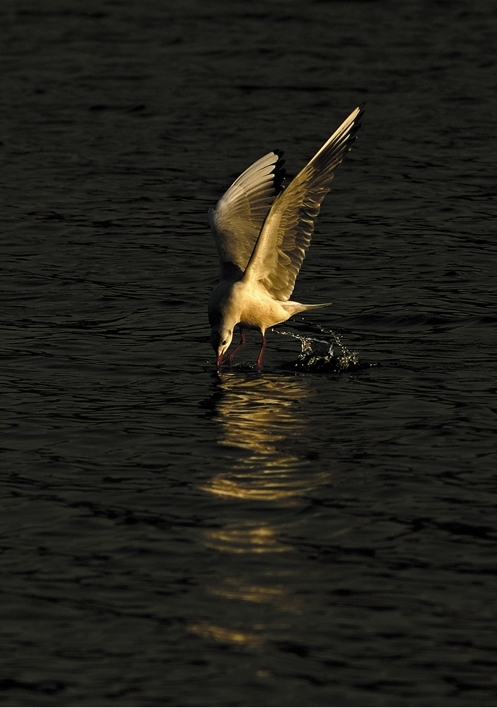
[(262, 236), (261, 418)]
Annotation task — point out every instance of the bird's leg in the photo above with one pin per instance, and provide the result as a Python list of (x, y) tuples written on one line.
[(237, 349), (263, 346)]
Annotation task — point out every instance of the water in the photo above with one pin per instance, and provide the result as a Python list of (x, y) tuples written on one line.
[(299, 536), (323, 353)]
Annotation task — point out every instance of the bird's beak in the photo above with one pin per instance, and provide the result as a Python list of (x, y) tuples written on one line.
[(219, 360)]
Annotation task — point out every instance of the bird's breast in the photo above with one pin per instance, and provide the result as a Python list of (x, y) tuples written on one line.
[(256, 308)]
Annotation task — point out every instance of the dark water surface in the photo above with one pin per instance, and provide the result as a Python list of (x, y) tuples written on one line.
[(174, 537)]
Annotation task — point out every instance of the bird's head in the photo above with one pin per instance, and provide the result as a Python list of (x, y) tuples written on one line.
[(220, 341)]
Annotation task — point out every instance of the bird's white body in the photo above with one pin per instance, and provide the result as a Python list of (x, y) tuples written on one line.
[(249, 305), (262, 235)]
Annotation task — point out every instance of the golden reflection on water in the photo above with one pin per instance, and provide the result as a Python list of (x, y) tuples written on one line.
[(236, 589), (225, 636), (244, 538), (261, 417)]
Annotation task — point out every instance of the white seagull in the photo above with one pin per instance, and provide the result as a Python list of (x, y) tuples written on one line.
[(262, 235)]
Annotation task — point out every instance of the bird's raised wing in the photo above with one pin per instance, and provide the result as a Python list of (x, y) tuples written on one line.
[(287, 231), (237, 220)]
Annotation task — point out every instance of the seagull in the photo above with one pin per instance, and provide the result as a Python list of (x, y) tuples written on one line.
[(262, 232)]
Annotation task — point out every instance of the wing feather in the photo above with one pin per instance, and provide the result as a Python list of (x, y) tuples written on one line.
[(287, 231), (237, 219)]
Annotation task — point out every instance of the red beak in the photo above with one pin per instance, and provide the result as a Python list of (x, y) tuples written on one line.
[(219, 360)]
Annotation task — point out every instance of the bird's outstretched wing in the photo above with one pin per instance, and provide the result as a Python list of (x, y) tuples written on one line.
[(237, 220), (287, 231)]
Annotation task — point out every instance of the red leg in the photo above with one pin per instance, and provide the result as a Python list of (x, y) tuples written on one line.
[(263, 346), (242, 342)]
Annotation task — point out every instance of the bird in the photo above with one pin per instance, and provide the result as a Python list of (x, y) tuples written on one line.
[(262, 232)]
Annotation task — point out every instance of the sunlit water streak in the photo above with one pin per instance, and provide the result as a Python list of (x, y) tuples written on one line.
[(259, 415)]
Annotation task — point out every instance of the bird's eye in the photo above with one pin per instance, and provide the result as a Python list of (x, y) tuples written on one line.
[(223, 342)]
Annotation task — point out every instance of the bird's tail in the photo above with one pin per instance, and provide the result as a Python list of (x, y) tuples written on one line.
[(296, 307)]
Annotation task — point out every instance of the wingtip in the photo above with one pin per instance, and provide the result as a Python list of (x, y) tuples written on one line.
[(279, 171), (360, 112), (355, 123)]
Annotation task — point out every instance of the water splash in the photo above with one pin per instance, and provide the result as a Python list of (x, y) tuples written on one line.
[(324, 353)]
